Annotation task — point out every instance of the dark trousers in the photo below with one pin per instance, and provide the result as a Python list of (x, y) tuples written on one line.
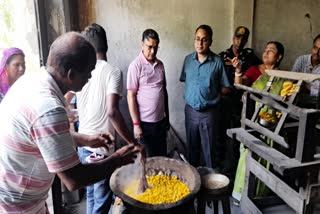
[(154, 138), (201, 130), (230, 115)]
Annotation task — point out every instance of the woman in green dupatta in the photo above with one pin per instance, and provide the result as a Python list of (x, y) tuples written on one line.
[(256, 77)]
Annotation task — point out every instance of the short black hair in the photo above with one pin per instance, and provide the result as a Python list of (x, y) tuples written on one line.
[(280, 49), (207, 29), (97, 36), (316, 38), (150, 34)]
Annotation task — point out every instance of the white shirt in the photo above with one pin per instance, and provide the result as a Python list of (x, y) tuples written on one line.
[(92, 100)]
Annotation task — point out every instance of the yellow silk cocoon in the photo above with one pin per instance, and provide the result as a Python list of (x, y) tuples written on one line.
[(163, 189)]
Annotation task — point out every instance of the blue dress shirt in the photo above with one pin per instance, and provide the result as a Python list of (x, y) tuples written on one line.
[(203, 81)]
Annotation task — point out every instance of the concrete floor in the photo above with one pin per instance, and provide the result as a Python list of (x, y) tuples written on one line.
[(80, 208)]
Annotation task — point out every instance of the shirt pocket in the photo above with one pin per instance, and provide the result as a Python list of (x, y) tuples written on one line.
[(205, 87)]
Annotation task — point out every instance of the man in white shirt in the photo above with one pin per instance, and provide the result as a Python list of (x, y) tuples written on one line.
[(98, 108)]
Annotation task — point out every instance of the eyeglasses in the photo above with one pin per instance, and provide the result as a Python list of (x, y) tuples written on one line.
[(203, 40)]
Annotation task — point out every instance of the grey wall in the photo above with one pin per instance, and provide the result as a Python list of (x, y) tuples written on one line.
[(57, 19), (175, 21), (285, 21)]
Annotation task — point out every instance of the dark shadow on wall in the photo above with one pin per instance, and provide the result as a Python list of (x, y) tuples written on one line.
[(82, 13)]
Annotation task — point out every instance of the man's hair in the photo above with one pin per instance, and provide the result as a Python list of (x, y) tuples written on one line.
[(207, 29), (316, 38), (71, 51), (280, 49), (97, 36), (150, 34)]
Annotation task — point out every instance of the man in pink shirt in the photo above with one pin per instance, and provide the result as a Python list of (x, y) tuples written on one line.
[(148, 97)]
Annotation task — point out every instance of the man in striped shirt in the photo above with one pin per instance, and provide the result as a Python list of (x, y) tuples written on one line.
[(35, 139)]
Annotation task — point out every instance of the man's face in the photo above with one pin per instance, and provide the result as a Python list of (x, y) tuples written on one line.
[(149, 49), (239, 42), (202, 41), (315, 51)]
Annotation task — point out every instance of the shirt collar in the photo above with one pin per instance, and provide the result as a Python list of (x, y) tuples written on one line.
[(240, 53), (210, 56), (309, 64), (53, 86), (145, 61), (309, 61)]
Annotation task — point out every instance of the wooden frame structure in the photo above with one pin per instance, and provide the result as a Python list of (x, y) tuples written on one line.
[(295, 168)]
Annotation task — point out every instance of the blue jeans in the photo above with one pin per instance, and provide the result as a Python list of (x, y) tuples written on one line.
[(99, 195)]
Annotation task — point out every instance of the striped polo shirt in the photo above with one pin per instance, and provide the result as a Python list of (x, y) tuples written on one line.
[(35, 143)]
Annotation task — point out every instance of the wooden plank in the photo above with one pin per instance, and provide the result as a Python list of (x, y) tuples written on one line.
[(247, 109), (280, 162), (306, 139), (281, 123), (256, 112), (248, 207), (279, 105), (250, 181), (254, 91), (314, 195), (294, 95), (294, 75), (285, 192), (291, 125), (270, 102), (292, 167), (263, 150), (266, 132)]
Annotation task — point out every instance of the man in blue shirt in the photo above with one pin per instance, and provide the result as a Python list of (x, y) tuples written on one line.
[(204, 76)]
